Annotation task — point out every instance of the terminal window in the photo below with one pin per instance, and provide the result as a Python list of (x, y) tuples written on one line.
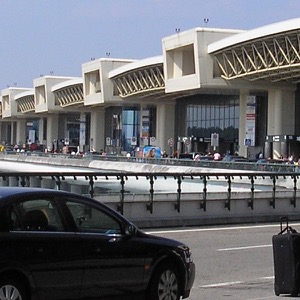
[(213, 113)]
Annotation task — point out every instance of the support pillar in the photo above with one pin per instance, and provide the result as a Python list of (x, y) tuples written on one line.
[(276, 150), (13, 132), (52, 130), (41, 131), (242, 122), (268, 150), (281, 118), (82, 132), (165, 124), (21, 132), (97, 137)]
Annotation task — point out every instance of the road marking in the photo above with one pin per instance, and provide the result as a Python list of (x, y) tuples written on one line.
[(221, 284), (217, 228), (244, 248)]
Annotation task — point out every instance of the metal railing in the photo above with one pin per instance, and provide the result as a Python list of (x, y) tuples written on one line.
[(275, 181), (281, 167)]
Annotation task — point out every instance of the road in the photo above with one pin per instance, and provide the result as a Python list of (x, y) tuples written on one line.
[(232, 262)]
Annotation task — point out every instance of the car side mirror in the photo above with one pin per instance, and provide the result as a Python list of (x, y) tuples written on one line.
[(130, 229)]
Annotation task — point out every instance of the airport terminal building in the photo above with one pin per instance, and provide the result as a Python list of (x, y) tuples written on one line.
[(210, 90)]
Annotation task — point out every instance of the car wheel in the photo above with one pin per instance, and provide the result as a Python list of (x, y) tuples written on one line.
[(11, 289), (164, 284)]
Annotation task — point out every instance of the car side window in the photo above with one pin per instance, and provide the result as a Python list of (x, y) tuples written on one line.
[(90, 219), (35, 215)]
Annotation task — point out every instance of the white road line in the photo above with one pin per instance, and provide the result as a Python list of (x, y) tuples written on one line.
[(218, 228), (244, 248), (221, 284)]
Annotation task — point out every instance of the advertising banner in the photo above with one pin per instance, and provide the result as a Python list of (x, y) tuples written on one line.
[(250, 121)]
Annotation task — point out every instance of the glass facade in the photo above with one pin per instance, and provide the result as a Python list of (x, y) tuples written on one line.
[(130, 127), (213, 114)]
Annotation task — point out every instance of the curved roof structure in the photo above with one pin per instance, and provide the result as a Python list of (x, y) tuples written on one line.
[(25, 101), (270, 53), (139, 77), (69, 92)]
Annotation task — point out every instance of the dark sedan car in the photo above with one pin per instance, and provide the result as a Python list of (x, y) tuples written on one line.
[(59, 245)]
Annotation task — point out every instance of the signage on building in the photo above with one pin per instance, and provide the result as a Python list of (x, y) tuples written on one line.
[(282, 138), (250, 121), (153, 140), (133, 141), (145, 123), (215, 139), (170, 142), (247, 142)]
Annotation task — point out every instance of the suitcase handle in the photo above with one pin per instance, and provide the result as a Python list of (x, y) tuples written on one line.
[(287, 228)]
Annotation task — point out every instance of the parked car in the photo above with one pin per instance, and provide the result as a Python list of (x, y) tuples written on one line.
[(60, 245)]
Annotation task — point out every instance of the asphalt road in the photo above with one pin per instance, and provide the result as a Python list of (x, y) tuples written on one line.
[(232, 262)]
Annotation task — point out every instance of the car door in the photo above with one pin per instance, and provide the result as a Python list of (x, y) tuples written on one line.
[(51, 253), (114, 263)]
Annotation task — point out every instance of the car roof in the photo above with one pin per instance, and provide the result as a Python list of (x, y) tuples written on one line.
[(8, 192)]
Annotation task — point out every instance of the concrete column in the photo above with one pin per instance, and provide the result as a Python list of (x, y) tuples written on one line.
[(281, 118), (275, 119), (82, 132), (41, 130), (276, 150), (284, 149), (268, 149), (52, 129), (165, 124), (97, 138), (21, 132), (242, 122), (13, 132)]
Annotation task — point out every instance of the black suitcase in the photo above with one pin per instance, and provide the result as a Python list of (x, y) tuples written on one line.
[(286, 254)]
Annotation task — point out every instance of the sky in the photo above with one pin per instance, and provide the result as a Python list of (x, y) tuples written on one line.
[(43, 37)]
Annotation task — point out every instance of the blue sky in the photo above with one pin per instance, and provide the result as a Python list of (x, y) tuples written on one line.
[(43, 36)]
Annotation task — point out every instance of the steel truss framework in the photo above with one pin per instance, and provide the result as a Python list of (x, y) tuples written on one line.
[(273, 58), (26, 104), (70, 95), (140, 81), (67, 96)]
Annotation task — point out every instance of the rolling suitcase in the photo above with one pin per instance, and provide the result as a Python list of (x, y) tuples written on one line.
[(286, 254)]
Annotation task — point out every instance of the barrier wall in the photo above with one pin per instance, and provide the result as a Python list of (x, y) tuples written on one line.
[(221, 197)]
